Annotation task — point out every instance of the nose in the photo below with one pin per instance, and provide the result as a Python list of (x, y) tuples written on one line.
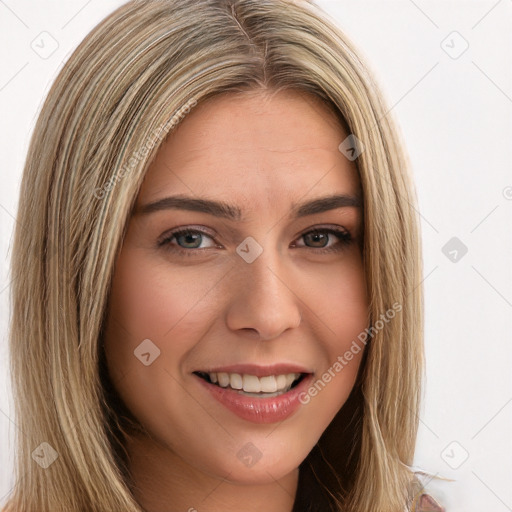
[(262, 298)]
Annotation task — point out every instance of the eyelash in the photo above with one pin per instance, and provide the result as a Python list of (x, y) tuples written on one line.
[(343, 235)]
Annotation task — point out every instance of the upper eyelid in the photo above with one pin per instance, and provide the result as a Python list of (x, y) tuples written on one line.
[(205, 231)]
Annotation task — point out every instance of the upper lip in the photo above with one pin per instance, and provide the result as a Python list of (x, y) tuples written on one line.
[(258, 370)]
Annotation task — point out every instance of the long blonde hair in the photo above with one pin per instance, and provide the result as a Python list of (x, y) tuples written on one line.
[(126, 85)]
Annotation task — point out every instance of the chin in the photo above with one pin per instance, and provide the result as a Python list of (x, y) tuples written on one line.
[(247, 464)]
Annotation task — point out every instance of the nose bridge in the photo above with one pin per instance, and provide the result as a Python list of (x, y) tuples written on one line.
[(262, 297)]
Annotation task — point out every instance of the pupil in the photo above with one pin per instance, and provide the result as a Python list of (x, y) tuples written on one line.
[(190, 238), (317, 236)]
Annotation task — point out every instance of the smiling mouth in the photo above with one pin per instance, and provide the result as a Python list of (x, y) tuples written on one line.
[(251, 385)]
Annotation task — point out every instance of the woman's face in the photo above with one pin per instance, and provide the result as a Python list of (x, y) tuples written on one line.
[(250, 297)]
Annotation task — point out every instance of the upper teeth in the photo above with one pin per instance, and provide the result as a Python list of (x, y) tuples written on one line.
[(253, 384)]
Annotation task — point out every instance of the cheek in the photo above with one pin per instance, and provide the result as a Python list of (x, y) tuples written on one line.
[(144, 304), (150, 300), (348, 300), (351, 321), (338, 297), (343, 306)]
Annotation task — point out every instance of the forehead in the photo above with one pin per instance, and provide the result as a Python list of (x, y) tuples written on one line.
[(253, 145)]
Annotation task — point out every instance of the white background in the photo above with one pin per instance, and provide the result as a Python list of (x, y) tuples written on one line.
[(455, 115)]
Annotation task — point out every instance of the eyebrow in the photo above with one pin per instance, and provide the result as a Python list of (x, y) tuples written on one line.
[(233, 212)]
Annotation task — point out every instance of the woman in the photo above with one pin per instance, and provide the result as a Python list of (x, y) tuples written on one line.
[(276, 362)]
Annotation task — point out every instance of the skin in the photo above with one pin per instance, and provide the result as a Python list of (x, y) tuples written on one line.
[(261, 152)]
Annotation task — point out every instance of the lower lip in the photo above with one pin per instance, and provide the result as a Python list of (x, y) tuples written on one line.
[(259, 410)]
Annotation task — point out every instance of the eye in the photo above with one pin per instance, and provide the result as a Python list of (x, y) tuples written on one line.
[(320, 238), (189, 240), (186, 238)]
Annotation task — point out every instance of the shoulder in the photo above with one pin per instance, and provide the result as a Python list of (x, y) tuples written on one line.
[(424, 502), (431, 492)]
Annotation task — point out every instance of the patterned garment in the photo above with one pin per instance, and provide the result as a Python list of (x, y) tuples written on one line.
[(426, 503), (434, 495)]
